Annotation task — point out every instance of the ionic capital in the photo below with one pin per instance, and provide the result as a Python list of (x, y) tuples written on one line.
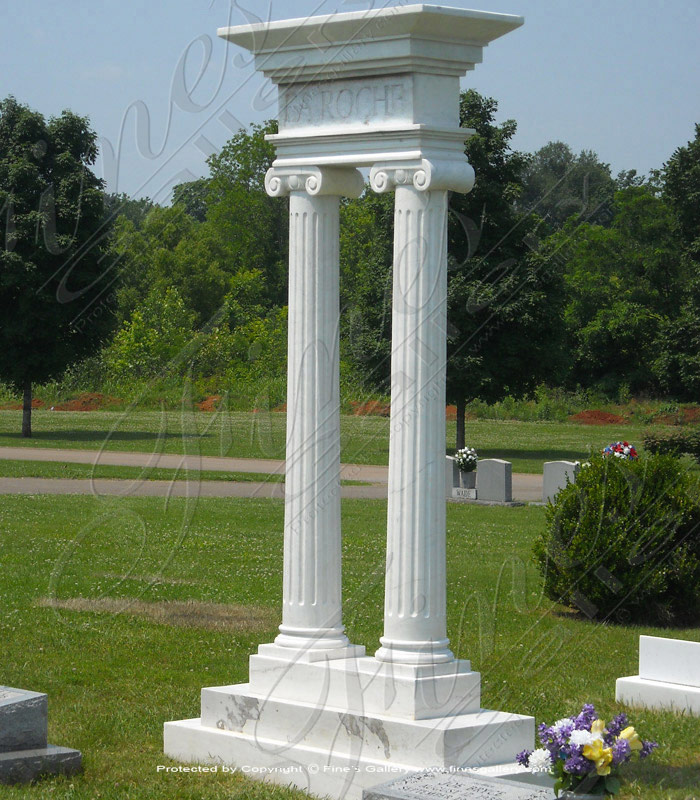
[(425, 175), (341, 181)]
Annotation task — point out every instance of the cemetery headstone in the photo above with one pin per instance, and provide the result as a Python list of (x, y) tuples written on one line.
[(25, 753), (494, 480), (555, 476), (451, 475), (669, 676)]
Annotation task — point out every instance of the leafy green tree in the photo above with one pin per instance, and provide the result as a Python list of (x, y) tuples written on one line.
[(681, 188), (170, 249), (246, 228), (121, 204), (504, 305), (366, 251), (193, 197), (52, 274), (558, 184), (152, 338), (624, 282)]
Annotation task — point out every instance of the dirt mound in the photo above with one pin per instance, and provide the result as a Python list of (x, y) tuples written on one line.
[(18, 406), (211, 403), (373, 408), (282, 408), (596, 417), (691, 414), (88, 401)]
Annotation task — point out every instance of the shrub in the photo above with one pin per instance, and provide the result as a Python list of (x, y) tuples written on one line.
[(623, 542), (674, 444)]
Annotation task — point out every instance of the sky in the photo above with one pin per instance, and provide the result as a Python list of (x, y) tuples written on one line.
[(619, 77)]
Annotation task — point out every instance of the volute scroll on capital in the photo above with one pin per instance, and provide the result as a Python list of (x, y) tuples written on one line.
[(426, 175), (315, 181)]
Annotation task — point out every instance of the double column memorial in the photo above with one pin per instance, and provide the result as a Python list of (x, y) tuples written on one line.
[(415, 590)]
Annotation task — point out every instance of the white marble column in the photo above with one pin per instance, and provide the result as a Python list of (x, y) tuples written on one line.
[(312, 604), (415, 591)]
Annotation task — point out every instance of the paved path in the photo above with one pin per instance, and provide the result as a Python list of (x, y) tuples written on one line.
[(349, 472), (526, 488)]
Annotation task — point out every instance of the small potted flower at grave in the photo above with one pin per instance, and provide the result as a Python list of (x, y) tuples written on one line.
[(466, 463), (621, 450), (584, 755)]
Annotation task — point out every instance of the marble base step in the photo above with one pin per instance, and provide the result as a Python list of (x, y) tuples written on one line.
[(475, 739), (326, 771), (23, 766), (636, 691), (368, 686)]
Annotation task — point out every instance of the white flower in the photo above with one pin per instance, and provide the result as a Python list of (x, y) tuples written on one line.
[(581, 737), (540, 761), (560, 724)]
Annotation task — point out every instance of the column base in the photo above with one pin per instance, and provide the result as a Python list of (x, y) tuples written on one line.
[(419, 653), (338, 727), (310, 655)]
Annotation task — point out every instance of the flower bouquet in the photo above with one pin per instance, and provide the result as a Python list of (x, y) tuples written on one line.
[(583, 755), (466, 459), (621, 450)]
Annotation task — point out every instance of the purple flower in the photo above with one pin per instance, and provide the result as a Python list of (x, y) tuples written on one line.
[(523, 756), (578, 765), (586, 718), (617, 724), (621, 751), (647, 748)]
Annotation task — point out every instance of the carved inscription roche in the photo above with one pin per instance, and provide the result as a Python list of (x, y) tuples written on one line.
[(348, 102)]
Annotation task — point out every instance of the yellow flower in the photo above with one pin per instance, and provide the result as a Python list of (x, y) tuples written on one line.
[(597, 728), (632, 737), (601, 756)]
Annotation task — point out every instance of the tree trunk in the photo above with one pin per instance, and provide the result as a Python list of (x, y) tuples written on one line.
[(27, 410), (461, 412)]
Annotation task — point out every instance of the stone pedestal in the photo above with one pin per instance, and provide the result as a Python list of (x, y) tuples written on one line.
[(669, 676), (25, 753), (376, 89)]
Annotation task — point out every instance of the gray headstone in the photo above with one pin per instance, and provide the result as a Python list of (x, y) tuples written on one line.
[(456, 785), (451, 475), (555, 475), (24, 751), (23, 719), (494, 480)]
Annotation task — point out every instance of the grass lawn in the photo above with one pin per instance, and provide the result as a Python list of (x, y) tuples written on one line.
[(52, 469), (204, 581), (365, 440)]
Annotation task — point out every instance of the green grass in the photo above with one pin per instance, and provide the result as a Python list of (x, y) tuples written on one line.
[(113, 679), (364, 440), (10, 468)]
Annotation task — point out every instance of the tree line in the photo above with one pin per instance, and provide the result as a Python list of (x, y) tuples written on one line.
[(559, 272)]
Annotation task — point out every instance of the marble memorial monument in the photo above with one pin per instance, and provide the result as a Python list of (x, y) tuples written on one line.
[(379, 90)]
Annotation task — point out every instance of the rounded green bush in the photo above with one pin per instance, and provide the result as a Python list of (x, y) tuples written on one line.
[(623, 542)]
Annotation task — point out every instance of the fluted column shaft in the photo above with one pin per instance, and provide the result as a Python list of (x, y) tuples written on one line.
[(415, 591), (312, 597)]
